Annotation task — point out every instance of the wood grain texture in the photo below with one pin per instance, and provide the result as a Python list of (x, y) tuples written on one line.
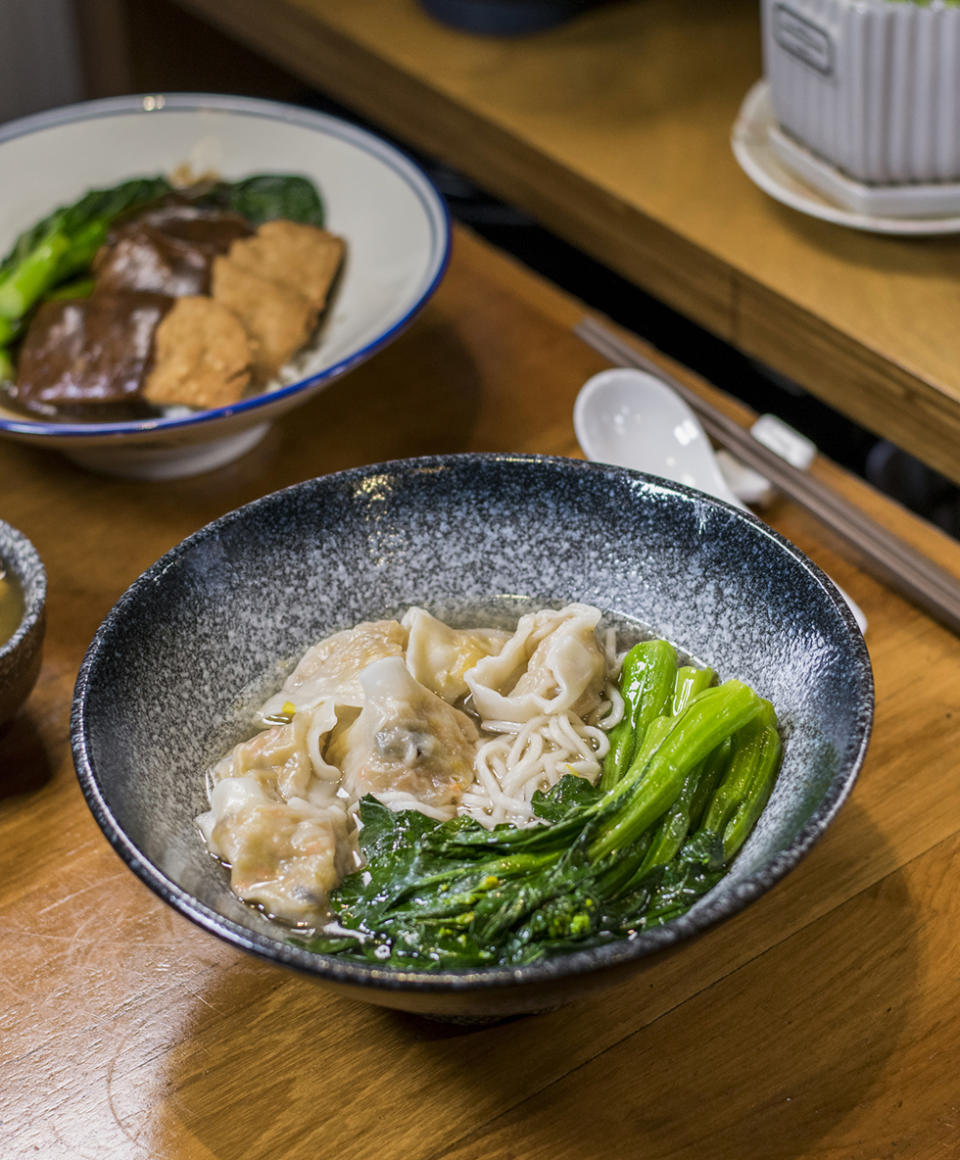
[(614, 131), (822, 1021)]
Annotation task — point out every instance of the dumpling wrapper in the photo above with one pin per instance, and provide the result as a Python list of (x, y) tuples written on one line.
[(551, 664), (439, 656), (283, 856), (276, 819), (406, 741), (330, 670), (287, 758)]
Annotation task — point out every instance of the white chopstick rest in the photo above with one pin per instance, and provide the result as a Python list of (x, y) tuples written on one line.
[(784, 441)]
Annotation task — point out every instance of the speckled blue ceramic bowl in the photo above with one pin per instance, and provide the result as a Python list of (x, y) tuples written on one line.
[(22, 652), (168, 679)]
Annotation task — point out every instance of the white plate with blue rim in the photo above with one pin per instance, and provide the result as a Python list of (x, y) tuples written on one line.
[(395, 225)]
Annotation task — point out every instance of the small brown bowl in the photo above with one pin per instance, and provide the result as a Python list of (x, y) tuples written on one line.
[(20, 654)]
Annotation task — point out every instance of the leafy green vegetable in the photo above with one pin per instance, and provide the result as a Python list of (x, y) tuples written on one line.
[(59, 247), (267, 196), (65, 242), (743, 791), (569, 795), (647, 682), (605, 862), (62, 245), (690, 681)]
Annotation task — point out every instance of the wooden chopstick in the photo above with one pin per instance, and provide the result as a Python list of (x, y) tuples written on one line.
[(894, 561)]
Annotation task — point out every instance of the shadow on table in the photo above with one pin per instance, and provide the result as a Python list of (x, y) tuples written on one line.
[(25, 765), (759, 1040)]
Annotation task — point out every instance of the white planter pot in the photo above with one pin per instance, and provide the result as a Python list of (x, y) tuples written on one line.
[(870, 86)]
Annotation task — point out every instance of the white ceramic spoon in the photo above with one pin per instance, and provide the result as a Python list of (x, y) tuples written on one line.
[(633, 419)]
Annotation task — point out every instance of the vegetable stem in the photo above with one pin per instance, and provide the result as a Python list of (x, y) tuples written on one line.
[(32, 277), (748, 777), (647, 682), (650, 789), (690, 683)]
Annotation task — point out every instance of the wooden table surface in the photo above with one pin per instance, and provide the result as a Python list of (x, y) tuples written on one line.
[(614, 131), (824, 1021)]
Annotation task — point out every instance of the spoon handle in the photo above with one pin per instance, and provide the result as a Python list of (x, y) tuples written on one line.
[(881, 552)]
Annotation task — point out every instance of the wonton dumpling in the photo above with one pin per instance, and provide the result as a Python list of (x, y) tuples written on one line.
[(283, 856), (438, 656), (330, 668), (406, 740), (552, 663), (287, 758)]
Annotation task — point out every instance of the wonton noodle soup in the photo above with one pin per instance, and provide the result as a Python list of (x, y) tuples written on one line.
[(422, 717)]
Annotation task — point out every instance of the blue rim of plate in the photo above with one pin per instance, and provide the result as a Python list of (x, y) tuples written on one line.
[(156, 104)]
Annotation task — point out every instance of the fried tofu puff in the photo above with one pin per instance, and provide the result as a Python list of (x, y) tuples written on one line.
[(278, 318), (202, 356), (303, 257)]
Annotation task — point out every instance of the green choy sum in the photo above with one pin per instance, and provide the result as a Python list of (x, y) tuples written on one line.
[(691, 772)]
